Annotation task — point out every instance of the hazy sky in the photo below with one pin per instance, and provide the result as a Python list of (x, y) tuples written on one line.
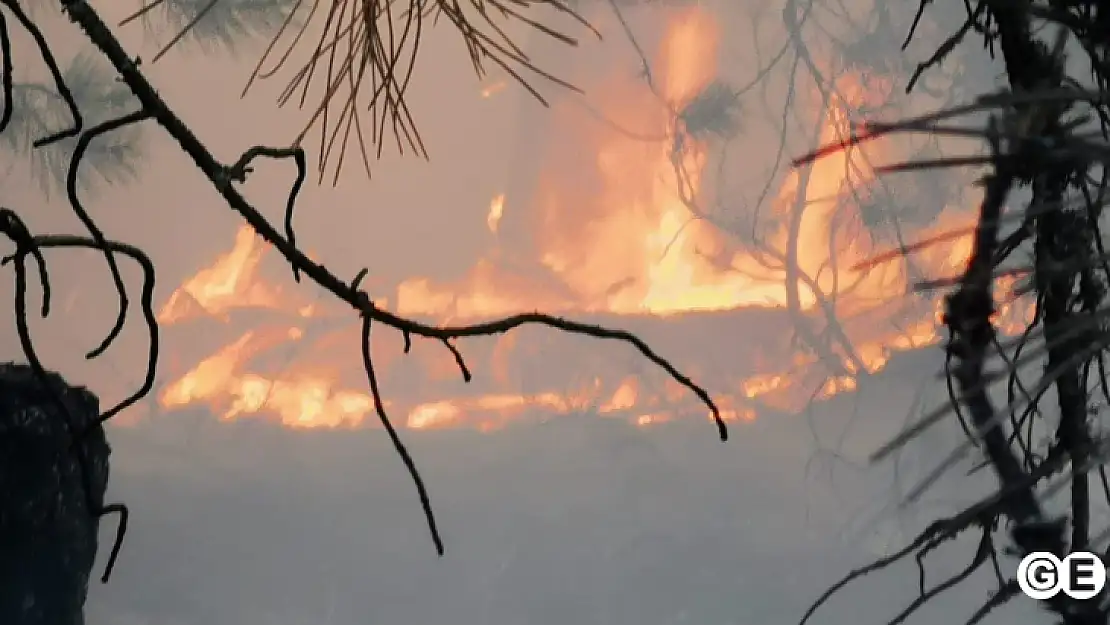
[(571, 522)]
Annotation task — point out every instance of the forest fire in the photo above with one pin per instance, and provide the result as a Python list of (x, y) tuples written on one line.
[(632, 249)]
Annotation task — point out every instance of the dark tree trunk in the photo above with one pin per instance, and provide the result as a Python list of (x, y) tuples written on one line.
[(50, 492)]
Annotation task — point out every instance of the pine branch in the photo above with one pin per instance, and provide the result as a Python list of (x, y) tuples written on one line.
[(224, 179)]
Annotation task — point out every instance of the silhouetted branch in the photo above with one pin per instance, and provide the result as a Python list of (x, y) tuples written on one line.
[(6, 73), (1003, 595), (55, 72), (90, 225), (224, 179), (242, 168), (1033, 142), (14, 229), (395, 438), (982, 553)]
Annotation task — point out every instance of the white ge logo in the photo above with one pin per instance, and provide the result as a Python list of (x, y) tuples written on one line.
[(1041, 575)]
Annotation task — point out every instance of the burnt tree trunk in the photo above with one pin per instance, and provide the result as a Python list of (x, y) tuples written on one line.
[(51, 492)]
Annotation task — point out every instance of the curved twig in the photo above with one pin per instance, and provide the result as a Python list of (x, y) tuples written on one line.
[(55, 72), (90, 225), (242, 168), (395, 438)]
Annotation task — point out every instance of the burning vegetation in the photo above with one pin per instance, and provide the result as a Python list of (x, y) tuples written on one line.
[(771, 303), (636, 250)]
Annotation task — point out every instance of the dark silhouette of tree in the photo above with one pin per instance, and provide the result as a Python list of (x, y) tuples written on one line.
[(49, 505), (365, 56), (1046, 139)]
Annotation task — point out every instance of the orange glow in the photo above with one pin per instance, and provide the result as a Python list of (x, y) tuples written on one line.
[(231, 282), (496, 209), (299, 400), (628, 245), (493, 89)]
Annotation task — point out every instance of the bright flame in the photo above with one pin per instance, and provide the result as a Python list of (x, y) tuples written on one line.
[(639, 251), (299, 400), (496, 209), (627, 244), (229, 283)]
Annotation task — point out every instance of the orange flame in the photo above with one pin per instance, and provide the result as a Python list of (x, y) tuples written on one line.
[(496, 208), (231, 282), (626, 244), (300, 401)]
